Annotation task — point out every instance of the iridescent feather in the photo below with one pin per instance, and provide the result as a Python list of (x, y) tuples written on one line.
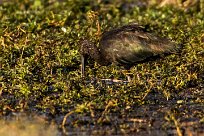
[(127, 45)]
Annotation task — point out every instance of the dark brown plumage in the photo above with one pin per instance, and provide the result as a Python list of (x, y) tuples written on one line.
[(126, 45)]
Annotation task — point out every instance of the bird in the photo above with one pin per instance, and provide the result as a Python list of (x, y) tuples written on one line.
[(126, 45)]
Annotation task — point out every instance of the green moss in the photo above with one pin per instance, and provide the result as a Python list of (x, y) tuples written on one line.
[(40, 62)]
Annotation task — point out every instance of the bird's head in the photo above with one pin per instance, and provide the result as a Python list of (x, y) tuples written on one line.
[(87, 49), (85, 46)]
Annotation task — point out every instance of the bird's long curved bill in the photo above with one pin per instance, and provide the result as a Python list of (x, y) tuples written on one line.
[(82, 66)]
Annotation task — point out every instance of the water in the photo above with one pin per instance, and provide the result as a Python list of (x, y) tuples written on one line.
[(25, 125)]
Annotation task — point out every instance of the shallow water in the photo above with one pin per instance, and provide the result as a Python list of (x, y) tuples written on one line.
[(148, 119), (151, 118), (23, 125)]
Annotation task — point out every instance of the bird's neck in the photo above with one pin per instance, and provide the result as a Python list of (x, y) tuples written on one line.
[(90, 49), (94, 52)]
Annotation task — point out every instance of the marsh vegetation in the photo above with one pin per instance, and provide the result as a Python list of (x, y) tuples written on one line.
[(40, 67)]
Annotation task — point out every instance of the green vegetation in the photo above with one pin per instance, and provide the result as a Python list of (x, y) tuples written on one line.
[(40, 61)]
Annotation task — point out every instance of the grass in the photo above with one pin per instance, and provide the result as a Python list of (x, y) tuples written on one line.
[(40, 61)]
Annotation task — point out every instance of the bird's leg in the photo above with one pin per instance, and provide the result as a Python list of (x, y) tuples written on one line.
[(127, 73), (128, 77)]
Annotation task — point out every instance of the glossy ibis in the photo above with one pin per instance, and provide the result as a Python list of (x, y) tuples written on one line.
[(126, 45)]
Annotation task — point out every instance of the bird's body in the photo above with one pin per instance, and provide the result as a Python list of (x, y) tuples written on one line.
[(127, 45)]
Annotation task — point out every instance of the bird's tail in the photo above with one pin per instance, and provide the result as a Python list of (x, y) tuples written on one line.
[(164, 45)]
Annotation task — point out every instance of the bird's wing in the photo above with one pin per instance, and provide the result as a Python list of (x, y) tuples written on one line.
[(156, 44), (148, 40), (132, 43)]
